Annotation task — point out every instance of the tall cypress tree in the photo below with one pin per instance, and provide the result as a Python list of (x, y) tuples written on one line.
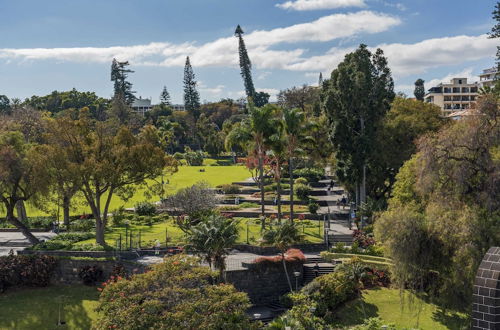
[(495, 33), (245, 65), (122, 87), (165, 97), (191, 95), (419, 91), (320, 80)]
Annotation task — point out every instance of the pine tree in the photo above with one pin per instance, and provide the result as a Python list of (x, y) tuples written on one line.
[(119, 75), (191, 95), (495, 33), (165, 97), (245, 65), (419, 91), (320, 80)]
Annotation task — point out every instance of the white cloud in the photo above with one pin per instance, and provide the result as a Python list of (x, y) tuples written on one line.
[(223, 52), (302, 5), (407, 59)]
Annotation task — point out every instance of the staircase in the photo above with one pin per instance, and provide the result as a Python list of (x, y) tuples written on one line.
[(309, 273), (339, 238)]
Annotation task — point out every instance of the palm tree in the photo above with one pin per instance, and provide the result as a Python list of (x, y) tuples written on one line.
[(253, 134), (278, 145), (283, 237), (295, 129), (212, 239)]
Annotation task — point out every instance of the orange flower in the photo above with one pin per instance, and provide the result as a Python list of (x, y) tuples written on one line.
[(99, 289)]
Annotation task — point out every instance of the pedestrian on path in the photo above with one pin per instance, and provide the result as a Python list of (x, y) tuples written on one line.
[(316, 270), (343, 201), (157, 247)]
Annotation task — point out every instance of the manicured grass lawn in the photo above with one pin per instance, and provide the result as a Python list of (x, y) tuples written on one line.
[(185, 177), (160, 231), (38, 308), (386, 304)]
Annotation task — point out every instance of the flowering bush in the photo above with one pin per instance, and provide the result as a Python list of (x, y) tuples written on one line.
[(90, 274), (176, 294), (362, 238), (30, 270), (292, 255)]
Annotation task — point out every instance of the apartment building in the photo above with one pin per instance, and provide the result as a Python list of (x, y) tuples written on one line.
[(141, 106), (488, 77), (456, 95)]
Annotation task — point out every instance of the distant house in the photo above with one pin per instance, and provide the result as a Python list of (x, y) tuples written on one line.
[(456, 95), (487, 78), (141, 106)]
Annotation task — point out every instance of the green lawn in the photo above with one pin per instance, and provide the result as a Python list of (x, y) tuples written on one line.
[(386, 304), (160, 231), (185, 177), (38, 308)]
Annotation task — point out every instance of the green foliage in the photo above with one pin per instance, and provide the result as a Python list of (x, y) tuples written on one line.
[(175, 294), (313, 207), (122, 87), (64, 241), (230, 189), (310, 174), (301, 316), (212, 238), (191, 95), (375, 323), (90, 274), (29, 270), (282, 236), (301, 180), (194, 158), (419, 91), (303, 191), (145, 208), (246, 67), (82, 225), (39, 222)]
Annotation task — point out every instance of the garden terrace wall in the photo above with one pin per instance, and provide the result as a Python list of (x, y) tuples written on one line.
[(126, 255), (265, 284), (66, 271), (261, 250)]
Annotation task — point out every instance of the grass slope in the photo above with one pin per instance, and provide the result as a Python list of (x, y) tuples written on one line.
[(38, 308), (185, 177), (386, 304)]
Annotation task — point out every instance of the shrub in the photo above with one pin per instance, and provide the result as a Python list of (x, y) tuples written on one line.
[(39, 222), (89, 247), (176, 294), (145, 208), (119, 216), (178, 156), (362, 238), (82, 225), (74, 236), (90, 274), (25, 270), (375, 323), (63, 241), (300, 180), (230, 189), (303, 191), (313, 207), (310, 174), (194, 158)]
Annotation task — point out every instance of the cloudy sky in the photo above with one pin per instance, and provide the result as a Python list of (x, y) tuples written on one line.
[(61, 44)]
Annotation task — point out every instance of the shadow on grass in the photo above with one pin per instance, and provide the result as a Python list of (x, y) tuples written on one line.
[(452, 320), (354, 312)]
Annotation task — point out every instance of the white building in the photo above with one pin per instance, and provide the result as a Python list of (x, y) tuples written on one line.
[(456, 95), (488, 76), (141, 106)]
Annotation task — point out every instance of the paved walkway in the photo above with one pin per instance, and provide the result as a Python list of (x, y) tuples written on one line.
[(17, 239)]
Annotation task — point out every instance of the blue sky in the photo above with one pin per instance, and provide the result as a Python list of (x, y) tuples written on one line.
[(57, 45)]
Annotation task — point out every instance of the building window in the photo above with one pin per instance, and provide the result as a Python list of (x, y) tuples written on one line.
[(447, 98), (465, 98), (473, 89), (456, 89), (456, 97), (460, 81), (447, 90), (465, 89), (473, 98)]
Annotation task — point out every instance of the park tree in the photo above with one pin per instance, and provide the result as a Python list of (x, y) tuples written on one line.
[(356, 98), (122, 87), (395, 142), (119, 110), (23, 175), (253, 135), (419, 90), (213, 238), (306, 98), (109, 160), (191, 95), (495, 32), (175, 294), (165, 97), (444, 212), (5, 107), (209, 135), (245, 65)]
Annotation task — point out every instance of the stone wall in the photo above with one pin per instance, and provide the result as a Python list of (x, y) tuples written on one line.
[(265, 283), (66, 271), (486, 295), (317, 247)]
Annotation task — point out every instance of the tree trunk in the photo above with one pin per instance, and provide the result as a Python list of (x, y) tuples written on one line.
[(290, 170), (21, 226), (66, 206), (21, 211), (278, 195), (363, 187), (286, 272), (261, 186), (99, 232)]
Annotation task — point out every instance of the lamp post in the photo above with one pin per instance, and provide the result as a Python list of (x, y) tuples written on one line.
[(126, 233), (297, 274)]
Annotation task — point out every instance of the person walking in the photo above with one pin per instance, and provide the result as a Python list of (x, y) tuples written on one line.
[(316, 269), (157, 247), (343, 201)]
